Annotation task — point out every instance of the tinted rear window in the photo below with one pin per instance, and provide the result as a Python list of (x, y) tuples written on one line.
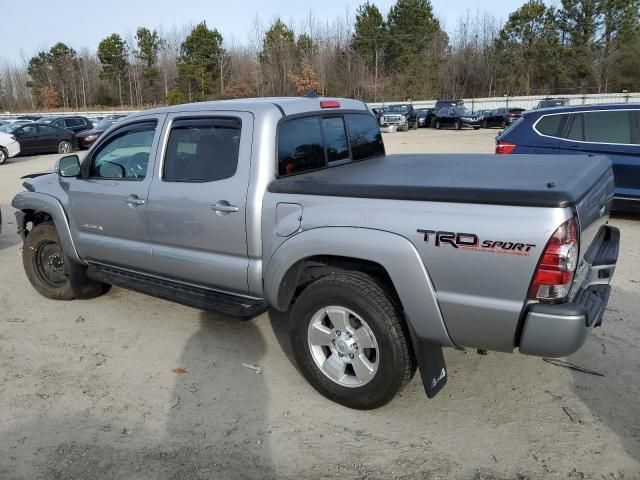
[(364, 136), (608, 126), (551, 124), (310, 143)]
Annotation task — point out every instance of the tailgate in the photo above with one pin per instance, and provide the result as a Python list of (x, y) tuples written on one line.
[(593, 210)]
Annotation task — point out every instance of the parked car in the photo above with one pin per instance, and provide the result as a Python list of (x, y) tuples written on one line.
[(483, 113), (456, 118), (9, 146), (88, 137), (378, 112), (402, 115), (73, 124), (426, 117), (502, 117), (41, 138), (33, 118), (552, 102), (379, 260), (440, 104), (608, 129)]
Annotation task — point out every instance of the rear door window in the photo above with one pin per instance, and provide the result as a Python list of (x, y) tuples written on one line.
[(612, 126), (202, 150), (576, 130)]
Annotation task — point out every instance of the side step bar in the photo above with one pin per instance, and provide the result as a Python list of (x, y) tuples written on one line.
[(189, 295)]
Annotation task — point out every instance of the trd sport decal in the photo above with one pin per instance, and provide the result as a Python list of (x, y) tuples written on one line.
[(471, 242)]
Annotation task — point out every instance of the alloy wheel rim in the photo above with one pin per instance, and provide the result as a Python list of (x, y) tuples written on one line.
[(343, 346)]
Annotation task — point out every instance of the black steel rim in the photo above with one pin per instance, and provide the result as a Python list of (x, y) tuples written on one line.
[(50, 264)]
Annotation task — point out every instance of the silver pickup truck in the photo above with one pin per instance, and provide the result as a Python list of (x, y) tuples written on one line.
[(292, 204)]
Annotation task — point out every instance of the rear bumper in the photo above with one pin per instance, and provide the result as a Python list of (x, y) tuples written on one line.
[(557, 330)]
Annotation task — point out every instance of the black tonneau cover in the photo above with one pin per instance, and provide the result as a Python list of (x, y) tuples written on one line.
[(525, 180)]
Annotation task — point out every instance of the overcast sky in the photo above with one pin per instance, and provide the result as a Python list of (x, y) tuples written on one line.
[(32, 26)]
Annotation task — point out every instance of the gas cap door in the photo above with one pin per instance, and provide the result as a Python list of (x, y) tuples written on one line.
[(288, 218)]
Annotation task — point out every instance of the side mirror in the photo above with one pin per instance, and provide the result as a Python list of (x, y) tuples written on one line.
[(68, 166)]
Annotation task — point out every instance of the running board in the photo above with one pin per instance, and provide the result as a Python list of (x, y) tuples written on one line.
[(189, 295)]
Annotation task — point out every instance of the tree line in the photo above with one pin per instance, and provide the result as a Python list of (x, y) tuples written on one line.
[(579, 46)]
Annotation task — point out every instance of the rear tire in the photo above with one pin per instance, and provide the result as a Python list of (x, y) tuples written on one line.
[(457, 125), (51, 272), (64, 147), (328, 319), (503, 124), (485, 124), (4, 155), (438, 126)]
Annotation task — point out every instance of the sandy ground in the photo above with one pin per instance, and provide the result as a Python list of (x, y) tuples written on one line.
[(87, 389)]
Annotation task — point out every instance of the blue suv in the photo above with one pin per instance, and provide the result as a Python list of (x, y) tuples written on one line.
[(604, 129)]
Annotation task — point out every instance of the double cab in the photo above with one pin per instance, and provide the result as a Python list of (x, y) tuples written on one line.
[(380, 261)]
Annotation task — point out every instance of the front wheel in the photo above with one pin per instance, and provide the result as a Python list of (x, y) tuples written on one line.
[(349, 340), (64, 147), (49, 270), (438, 126)]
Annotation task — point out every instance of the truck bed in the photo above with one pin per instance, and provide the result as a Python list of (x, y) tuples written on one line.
[(523, 180)]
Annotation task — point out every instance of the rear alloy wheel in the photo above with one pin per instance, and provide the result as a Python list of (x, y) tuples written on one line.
[(457, 125), (64, 147), (3, 155), (438, 126), (349, 340)]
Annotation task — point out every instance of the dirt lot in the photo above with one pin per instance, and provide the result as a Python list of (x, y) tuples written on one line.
[(87, 389)]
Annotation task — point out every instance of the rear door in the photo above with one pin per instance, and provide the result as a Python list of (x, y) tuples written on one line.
[(197, 201), (613, 133), (48, 138), (27, 136)]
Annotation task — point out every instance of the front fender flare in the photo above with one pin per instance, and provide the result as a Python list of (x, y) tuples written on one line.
[(41, 202), (393, 252)]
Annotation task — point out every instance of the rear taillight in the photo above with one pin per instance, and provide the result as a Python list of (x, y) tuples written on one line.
[(505, 147), (554, 273)]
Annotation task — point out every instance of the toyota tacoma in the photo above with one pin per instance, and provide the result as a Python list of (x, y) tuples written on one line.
[(292, 204)]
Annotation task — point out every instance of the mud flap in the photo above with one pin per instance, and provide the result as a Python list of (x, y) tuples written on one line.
[(431, 364)]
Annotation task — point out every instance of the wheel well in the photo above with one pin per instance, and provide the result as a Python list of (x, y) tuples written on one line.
[(30, 219), (310, 269)]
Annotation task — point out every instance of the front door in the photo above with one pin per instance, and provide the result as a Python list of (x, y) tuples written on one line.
[(108, 203), (47, 138), (197, 202), (27, 136)]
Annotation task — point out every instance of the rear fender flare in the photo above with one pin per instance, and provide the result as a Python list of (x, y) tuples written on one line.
[(393, 252), (41, 202)]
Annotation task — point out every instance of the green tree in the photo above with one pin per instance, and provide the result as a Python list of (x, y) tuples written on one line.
[(278, 58), (369, 39), (112, 53), (199, 61), (529, 41), (149, 44), (416, 46)]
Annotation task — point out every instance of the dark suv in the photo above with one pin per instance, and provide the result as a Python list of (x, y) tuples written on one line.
[(457, 118), (606, 129), (73, 124), (502, 117)]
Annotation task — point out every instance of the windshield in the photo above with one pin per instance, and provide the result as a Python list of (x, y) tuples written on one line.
[(463, 111), (397, 109)]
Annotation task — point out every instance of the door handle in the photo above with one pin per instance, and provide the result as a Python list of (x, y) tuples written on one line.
[(134, 201), (223, 207)]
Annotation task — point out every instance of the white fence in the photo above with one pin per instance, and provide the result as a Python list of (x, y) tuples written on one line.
[(527, 102)]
